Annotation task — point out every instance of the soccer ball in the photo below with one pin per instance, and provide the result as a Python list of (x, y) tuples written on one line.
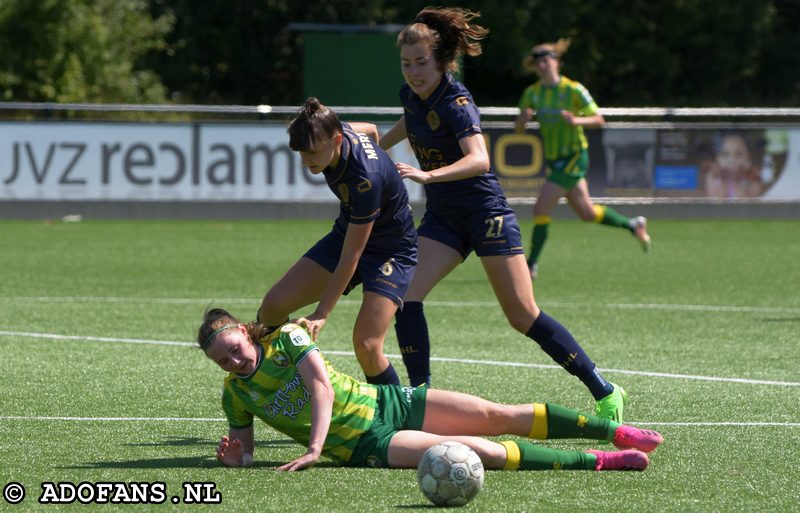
[(450, 474)]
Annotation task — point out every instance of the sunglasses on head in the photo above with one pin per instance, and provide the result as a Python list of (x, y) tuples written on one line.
[(544, 53)]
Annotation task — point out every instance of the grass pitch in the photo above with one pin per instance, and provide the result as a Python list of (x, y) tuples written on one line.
[(100, 382)]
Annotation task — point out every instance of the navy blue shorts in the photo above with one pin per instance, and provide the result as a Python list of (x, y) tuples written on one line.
[(385, 275), (488, 232)]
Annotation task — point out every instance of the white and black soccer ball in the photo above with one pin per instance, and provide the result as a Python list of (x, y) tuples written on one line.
[(450, 474)]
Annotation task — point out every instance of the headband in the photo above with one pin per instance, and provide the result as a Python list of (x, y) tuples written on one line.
[(544, 53), (214, 333)]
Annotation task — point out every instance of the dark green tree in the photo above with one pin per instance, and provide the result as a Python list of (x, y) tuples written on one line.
[(79, 51), (627, 52)]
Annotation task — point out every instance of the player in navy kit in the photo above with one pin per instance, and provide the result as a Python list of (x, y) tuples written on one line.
[(373, 241), (466, 209)]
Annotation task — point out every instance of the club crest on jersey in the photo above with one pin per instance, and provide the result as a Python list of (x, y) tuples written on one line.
[(255, 396), (280, 360), (387, 268), (344, 192), (433, 120), (364, 186)]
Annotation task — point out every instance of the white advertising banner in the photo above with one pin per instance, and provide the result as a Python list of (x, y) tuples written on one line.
[(252, 162), (159, 162), (786, 175)]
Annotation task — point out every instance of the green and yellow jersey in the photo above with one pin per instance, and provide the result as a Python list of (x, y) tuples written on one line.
[(275, 393), (560, 138)]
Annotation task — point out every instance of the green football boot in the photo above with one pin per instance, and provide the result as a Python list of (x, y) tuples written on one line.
[(611, 406)]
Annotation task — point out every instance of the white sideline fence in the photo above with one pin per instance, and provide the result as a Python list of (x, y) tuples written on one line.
[(55, 164), (614, 112)]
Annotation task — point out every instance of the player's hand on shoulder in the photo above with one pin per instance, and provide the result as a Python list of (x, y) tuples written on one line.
[(312, 324)]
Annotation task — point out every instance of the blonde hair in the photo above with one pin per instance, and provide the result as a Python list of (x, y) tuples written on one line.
[(557, 50), (448, 32)]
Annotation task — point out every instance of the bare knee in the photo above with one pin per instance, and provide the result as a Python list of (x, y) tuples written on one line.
[(587, 215), (521, 322), (495, 418), (501, 412), (492, 455), (367, 348)]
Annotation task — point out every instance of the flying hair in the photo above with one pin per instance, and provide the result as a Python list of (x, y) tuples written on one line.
[(449, 33)]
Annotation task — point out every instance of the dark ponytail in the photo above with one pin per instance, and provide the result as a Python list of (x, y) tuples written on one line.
[(313, 122)]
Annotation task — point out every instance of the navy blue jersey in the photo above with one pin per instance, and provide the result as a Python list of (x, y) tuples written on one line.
[(369, 187), (434, 126)]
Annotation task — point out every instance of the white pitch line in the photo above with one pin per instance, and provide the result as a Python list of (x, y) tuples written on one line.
[(222, 419), (456, 304), (719, 424), (113, 419), (618, 371), (53, 336)]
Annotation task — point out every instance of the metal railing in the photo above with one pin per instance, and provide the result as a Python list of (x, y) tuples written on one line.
[(490, 112)]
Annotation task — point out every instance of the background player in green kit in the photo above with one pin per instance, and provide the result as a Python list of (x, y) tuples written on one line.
[(563, 107), (280, 377)]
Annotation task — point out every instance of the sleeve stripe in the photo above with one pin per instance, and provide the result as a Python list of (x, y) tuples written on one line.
[(303, 356), (474, 129), (368, 217)]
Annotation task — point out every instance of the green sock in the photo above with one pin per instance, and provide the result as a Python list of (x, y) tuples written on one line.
[(613, 218), (529, 456), (537, 239), (567, 423)]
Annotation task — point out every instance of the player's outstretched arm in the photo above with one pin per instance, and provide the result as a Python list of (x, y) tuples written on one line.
[(394, 135), (355, 240), (475, 162), (314, 374)]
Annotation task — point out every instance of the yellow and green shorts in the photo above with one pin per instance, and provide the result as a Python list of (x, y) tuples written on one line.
[(567, 171), (398, 408)]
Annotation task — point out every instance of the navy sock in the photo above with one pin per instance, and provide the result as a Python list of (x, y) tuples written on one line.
[(562, 347), (415, 346), (387, 377)]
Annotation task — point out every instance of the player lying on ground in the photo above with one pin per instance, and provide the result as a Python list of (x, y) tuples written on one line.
[(283, 379)]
